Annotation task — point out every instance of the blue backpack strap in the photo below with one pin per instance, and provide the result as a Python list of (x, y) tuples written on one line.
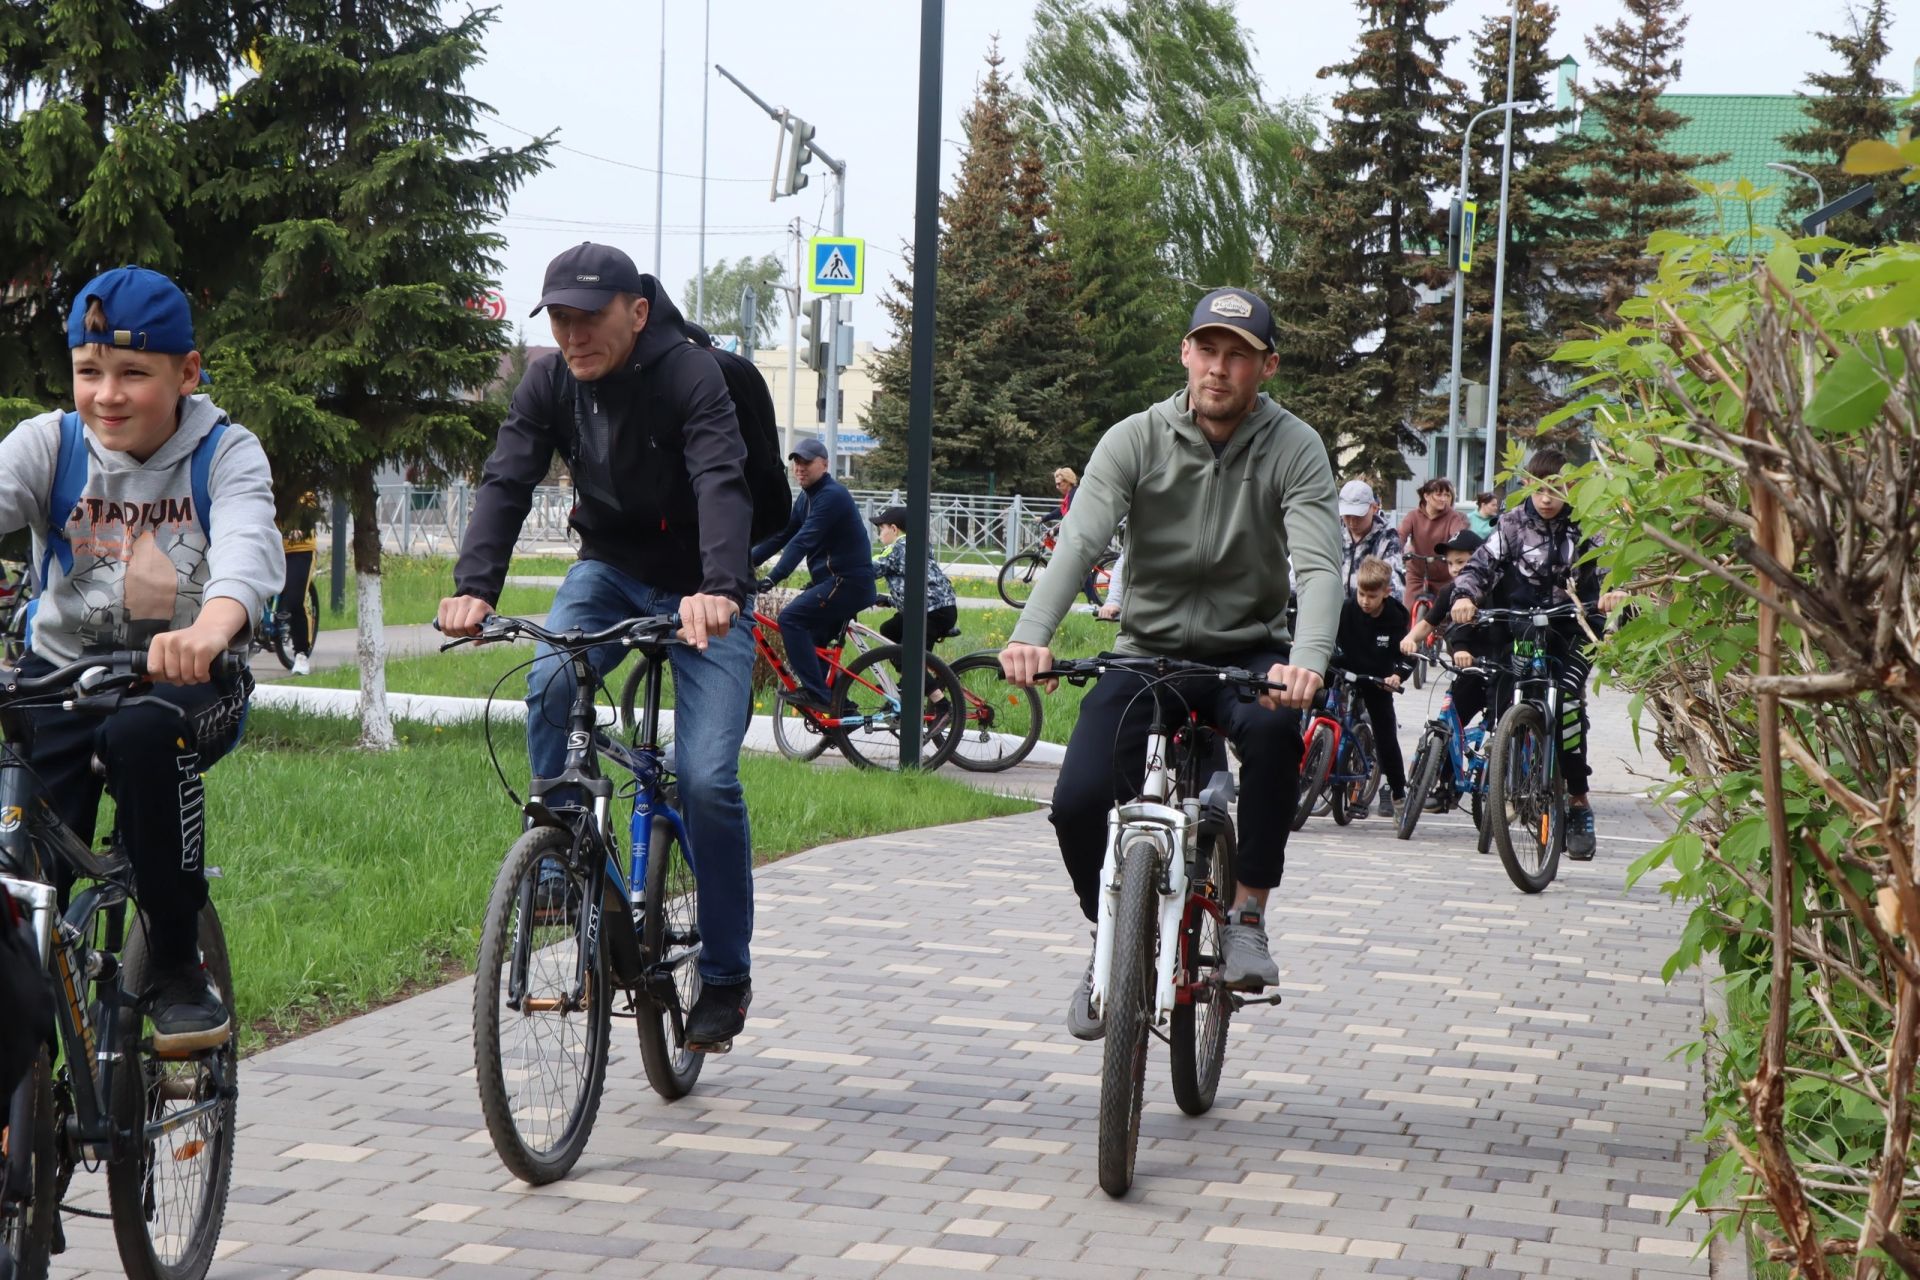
[(69, 481), (200, 469)]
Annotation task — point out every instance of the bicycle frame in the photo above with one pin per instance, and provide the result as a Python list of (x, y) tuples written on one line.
[(833, 655)]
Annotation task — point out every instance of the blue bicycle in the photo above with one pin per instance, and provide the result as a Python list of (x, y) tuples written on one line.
[(1340, 762), (1451, 764), (572, 938)]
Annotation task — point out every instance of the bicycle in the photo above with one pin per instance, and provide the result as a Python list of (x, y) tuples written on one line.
[(1165, 885), (16, 599), (163, 1125), (1526, 790), (1451, 763), (273, 629), (1430, 649), (568, 928), (1018, 574), (863, 716), (1340, 760)]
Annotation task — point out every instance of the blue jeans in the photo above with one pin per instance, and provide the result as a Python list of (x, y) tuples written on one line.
[(814, 618), (713, 698)]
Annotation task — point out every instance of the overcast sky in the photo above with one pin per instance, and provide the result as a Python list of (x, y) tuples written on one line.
[(591, 69)]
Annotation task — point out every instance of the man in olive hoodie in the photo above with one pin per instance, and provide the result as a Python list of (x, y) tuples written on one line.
[(1220, 486)]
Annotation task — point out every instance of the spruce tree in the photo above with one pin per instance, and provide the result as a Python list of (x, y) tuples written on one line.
[(1635, 184), (1356, 352), (1853, 105), (358, 169), (1544, 217), (1009, 354)]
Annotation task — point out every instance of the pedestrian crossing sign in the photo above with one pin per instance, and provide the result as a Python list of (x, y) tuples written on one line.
[(839, 264)]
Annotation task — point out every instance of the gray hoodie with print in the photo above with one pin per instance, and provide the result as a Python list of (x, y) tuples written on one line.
[(139, 553)]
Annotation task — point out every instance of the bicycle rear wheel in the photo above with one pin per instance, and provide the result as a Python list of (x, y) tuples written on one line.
[(866, 699), (1315, 766), (1426, 772), (797, 734), (1100, 577), (1017, 577), (1197, 1030), (1129, 1014), (669, 947), (168, 1186), (1002, 722), (28, 1211), (1520, 801), (1482, 822), (539, 1054)]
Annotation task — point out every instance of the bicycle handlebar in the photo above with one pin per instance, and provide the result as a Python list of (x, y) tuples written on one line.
[(653, 631), (123, 669), (1539, 616), (1356, 677), (1080, 670)]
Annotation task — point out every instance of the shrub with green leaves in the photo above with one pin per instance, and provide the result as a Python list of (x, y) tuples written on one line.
[(1757, 475)]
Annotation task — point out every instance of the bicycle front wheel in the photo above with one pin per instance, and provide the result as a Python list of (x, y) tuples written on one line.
[(167, 1186), (28, 1212), (1100, 577), (669, 947), (1426, 772), (1197, 1029), (540, 1032), (867, 703), (1128, 1014), (1002, 721), (1520, 799), (1017, 576), (796, 733), (1314, 770)]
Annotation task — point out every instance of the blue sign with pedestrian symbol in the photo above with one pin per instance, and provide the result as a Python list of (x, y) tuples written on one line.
[(839, 264)]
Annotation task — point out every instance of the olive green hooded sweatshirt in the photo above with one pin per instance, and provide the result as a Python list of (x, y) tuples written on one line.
[(1208, 539)]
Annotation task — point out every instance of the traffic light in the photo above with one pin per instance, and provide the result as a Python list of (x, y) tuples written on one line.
[(813, 334), (797, 155)]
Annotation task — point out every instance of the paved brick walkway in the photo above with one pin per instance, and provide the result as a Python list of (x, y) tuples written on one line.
[(1463, 1082)]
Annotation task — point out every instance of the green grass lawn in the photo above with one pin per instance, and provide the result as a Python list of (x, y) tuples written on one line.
[(411, 588), (349, 877), (471, 673)]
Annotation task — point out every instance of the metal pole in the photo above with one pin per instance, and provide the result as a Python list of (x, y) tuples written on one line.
[(833, 329), (660, 151), (793, 344), (1819, 193), (339, 554), (1455, 463), (926, 251), (706, 82), (1500, 254)]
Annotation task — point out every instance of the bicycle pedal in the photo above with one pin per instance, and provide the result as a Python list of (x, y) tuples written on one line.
[(1242, 1001), (717, 1046)]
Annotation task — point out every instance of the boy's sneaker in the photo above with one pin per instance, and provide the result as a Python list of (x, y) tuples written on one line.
[(717, 1016), (1580, 833), (302, 664), (1246, 963), (1384, 805), (1082, 1022), (187, 1013)]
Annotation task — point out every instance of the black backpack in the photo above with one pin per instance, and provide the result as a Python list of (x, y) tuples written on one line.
[(753, 406)]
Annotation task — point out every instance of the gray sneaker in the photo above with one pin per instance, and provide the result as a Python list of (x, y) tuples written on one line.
[(1245, 962), (1082, 1022), (1384, 805)]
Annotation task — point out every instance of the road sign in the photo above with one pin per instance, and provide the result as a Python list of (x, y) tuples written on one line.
[(839, 264), (491, 304), (1469, 216)]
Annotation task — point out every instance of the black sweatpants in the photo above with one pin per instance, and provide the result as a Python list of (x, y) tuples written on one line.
[(1386, 735), (293, 598), (1106, 762), (153, 761), (939, 622)]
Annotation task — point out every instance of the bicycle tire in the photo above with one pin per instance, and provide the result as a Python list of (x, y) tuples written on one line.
[(1426, 771), (670, 918), (1518, 795), (1017, 576), (27, 1230), (1346, 791), (1420, 671), (875, 699), (1100, 577), (536, 1162), (1370, 752), (991, 739), (145, 1087), (1198, 1046), (1482, 822), (1314, 769), (1128, 1014), (797, 734)]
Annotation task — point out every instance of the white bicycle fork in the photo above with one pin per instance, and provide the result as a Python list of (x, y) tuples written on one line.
[(1152, 816)]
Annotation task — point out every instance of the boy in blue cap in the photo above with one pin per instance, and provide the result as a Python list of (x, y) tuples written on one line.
[(152, 521)]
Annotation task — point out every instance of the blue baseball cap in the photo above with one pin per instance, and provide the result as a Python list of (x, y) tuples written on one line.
[(146, 312)]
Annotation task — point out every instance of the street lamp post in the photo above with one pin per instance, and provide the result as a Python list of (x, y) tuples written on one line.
[(1500, 253), (1455, 463), (1819, 192)]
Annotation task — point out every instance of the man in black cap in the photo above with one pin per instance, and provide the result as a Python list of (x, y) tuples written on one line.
[(827, 532), (664, 513), (1220, 486)]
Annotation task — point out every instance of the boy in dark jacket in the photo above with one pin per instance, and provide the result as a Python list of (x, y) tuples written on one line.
[(1372, 625)]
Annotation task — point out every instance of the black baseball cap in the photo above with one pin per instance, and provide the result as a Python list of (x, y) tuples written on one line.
[(588, 276), (808, 449), (1244, 312), (895, 515), (1465, 540)]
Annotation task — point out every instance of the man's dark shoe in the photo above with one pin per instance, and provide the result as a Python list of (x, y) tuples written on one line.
[(801, 699), (187, 1013), (1082, 1022), (1580, 837), (717, 1016), (551, 901)]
